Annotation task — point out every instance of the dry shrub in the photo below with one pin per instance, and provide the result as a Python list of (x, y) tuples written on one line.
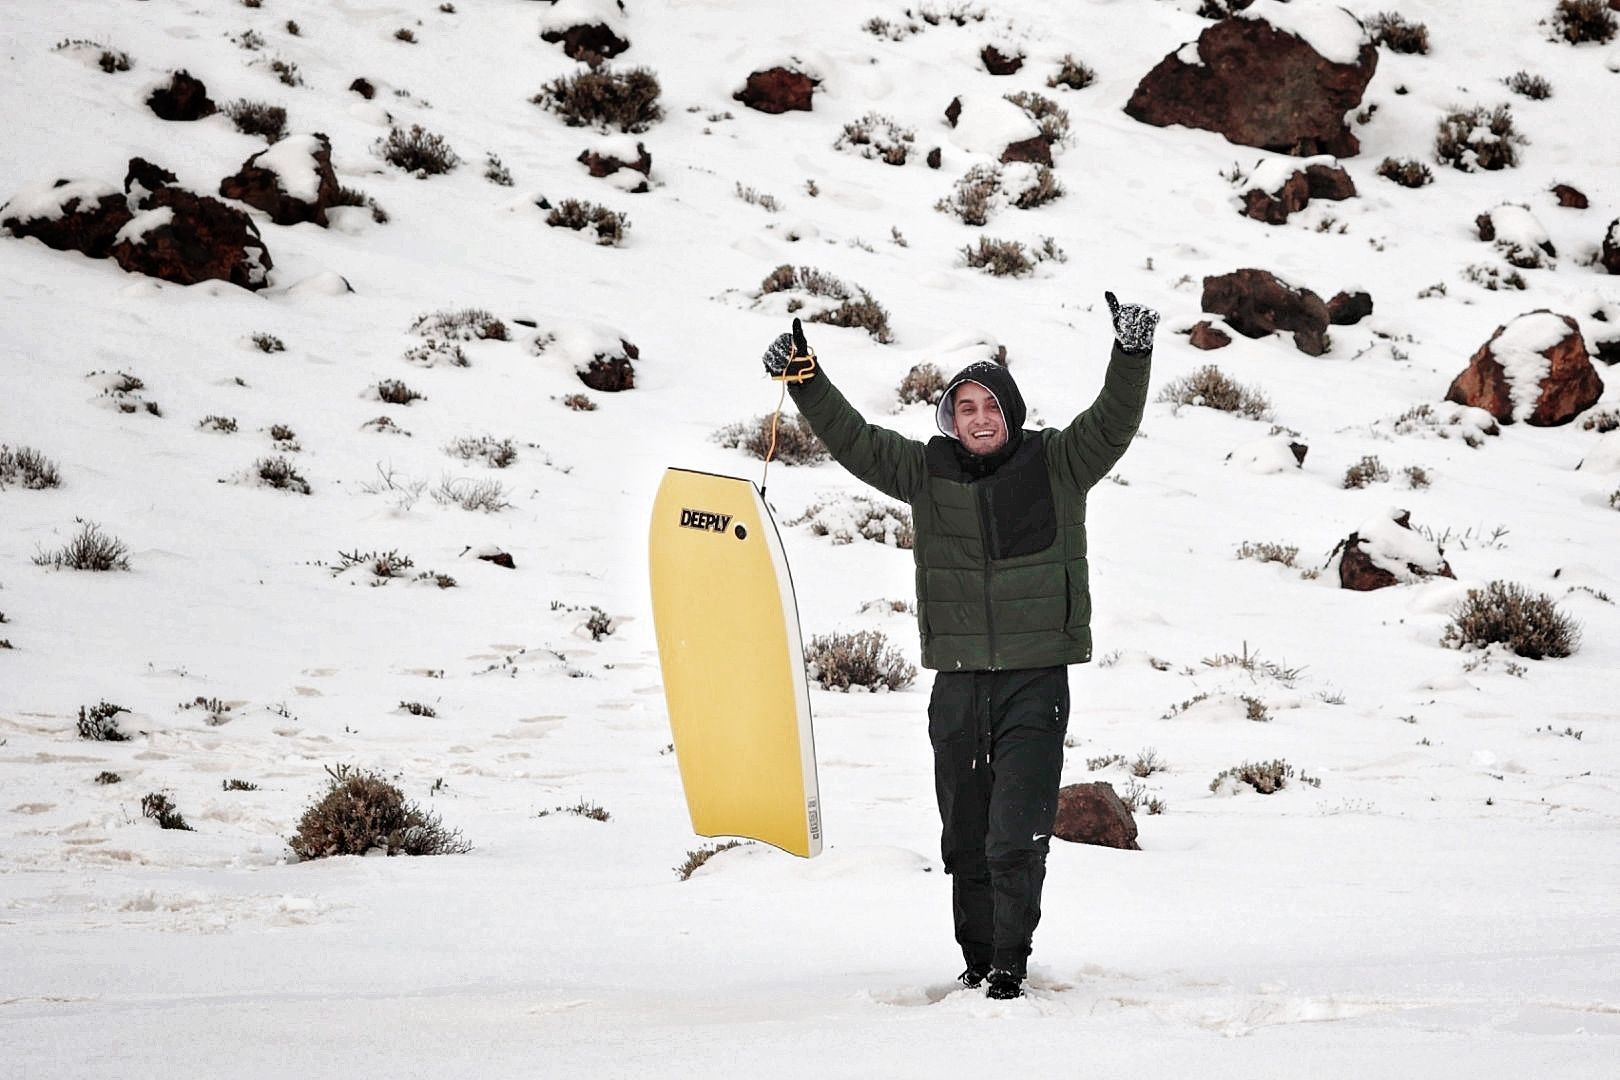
[(486, 495), (1072, 74), (394, 392), (161, 809), (468, 324), (1505, 613), (27, 467), (972, 199), (877, 136), (99, 723), (1268, 552), (1392, 31), (698, 856), (1209, 387), (90, 549), (856, 307), (496, 453), (361, 811), (1602, 421), (1406, 172), (865, 658), (1531, 86), (1476, 138), (796, 441), (418, 151), (1369, 470), (579, 403), (1578, 21), (433, 352), (1042, 189), (1009, 258), (268, 122), (278, 473), (1052, 118), (577, 214), (862, 516), (1266, 777), (604, 99), (924, 384)]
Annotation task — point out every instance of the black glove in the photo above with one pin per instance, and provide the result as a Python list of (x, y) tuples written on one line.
[(1133, 325), (790, 357)]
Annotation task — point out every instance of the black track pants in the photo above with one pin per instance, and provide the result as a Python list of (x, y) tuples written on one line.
[(998, 755)]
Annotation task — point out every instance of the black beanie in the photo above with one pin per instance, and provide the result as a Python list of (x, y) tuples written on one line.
[(994, 378)]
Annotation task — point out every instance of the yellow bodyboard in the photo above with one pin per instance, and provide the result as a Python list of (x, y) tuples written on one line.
[(733, 663)]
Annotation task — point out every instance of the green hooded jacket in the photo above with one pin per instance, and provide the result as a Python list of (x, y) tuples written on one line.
[(1002, 581)]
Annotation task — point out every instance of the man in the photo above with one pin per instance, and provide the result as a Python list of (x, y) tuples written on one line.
[(1003, 605)]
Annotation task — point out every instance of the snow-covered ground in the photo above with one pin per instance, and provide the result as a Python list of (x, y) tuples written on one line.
[(1443, 904)]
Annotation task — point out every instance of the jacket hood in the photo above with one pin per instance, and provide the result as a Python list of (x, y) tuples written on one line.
[(994, 378)]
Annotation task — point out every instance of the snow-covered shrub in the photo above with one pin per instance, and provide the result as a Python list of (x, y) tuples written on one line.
[(1406, 172), (395, 392), (579, 403), (417, 151), (278, 472), (973, 199), (924, 384), (859, 515), (27, 467), (855, 308), (486, 495), (604, 98), (1472, 425), (109, 60), (233, 784), (405, 34), (1491, 278), (1049, 116), (796, 443), (1601, 421), (877, 136), (1210, 388), (267, 343), (161, 809), (1369, 470), (1509, 614), (417, 708), (285, 438), (108, 777), (1268, 552), (1266, 777), (347, 196), (360, 812), (1471, 139), (1518, 235), (578, 214), (1147, 763), (497, 453), (865, 658), (1531, 86), (495, 172), (700, 855), (99, 723), (433, 352), (286, 72), (1392, 31), (1417, 477), (467, 324), (90, 549), (1577, 21), (1072, 74), (1009, 258), (762, 199), (268, 122), (584, 808)]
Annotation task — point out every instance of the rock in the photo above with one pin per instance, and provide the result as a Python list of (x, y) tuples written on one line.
[(1347, 309), (778, 90), (1519, 236), (1570, 197), (1387, 551), (589, 43), (1534, 369), (71, 215), (1329, 182), (185, 98), (1205, 335), (1273, 207), (934, 158), (1093, 814), (610, 373), (606, 164), (1609, 257), (142, 178), (199, 239), (302, 162), (1256, 303), (500, 558), (1037, 150), (953, 111), (998, 63), (1261, 86), (364, 88)]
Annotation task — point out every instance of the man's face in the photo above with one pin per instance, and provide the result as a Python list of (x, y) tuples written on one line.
[(979, 423)]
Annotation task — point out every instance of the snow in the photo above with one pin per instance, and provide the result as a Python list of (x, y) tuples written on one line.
[(1520, 348), (564, 14), (293, 161), (1333, 32), (1266, 456), (48, 201), (1520, 236), (135, 230), (988, 125), (1270, 174), (1424, 912)]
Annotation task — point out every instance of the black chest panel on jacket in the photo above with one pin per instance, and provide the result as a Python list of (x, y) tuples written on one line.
[(1016, 509)]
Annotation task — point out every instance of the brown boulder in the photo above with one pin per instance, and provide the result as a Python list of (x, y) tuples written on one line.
[(778, 90), (185, 98), (1347, 309), (1609, 257), (1360, 570), (1259, 86), (90, 216), (262, 188), (1573, 198), (203, 240), (998, 63), (142, 178), (1256, 303), (1330, 182), (1037, 150), (610, 373), (1273, 207), (1570, 386), (1205, 335), (364, 88), (601, 164), (589, 43), (1094, 814), (501, 559), (953, 111)]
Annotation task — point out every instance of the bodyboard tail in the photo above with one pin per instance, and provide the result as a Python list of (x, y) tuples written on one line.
[(733, 663)]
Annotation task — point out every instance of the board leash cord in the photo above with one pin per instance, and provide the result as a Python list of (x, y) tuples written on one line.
[(801, 351), (771, 452)]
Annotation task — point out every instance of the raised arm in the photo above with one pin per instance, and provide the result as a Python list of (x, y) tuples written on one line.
[(875, 455), (1085, 450)]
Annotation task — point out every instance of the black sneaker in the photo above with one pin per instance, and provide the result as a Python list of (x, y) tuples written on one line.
[(973, 977), (1004, 985)]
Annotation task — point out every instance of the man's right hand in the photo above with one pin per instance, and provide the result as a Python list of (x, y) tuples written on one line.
[(790, 358)]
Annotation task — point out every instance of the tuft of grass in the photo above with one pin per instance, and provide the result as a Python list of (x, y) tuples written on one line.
[(417, 151), (29, 468), (698, 856), (605, 99), (1072, 74), (584, 808), (161, 809), (277, 472), (496, 453), (1268, 552), (417, 708), (238, 785), (488, 496), (1369, 470), (864, 658), (1212, 389), (89, 549), (1531, 86), (578, 214), (1508, 614), (104, 777), (99, 723), (361, 811), (1098, 764)]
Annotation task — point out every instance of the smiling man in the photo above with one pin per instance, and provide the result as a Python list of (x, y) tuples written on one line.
[(1003, 605)]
